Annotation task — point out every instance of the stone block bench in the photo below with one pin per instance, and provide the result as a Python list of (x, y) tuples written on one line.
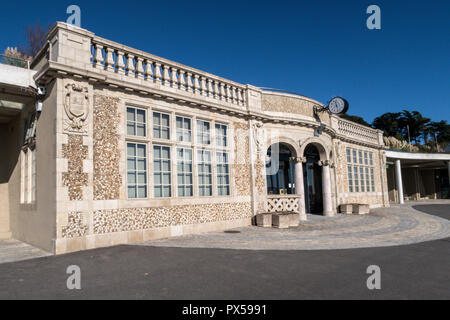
[(264, 220), (278, 220), (354, 208), (281, 220)]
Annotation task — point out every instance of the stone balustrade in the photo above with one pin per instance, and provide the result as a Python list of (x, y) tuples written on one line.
[(115, 58), (283, 203), (357, 131)]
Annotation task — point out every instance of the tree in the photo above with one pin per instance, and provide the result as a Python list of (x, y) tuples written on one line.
[(356, 119), (36, 38), (390, 124), (439, 130), (413, 125)]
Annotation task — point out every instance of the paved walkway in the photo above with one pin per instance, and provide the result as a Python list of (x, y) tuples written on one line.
[(13, 250), (398, 225)]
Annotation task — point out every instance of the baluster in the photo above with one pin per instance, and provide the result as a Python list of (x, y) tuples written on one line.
[(210, 87), (139, 68), (130, 65), (235, 96), (222, 91), (239, 96), (202, 86), (173, 77), (109, 62), (157, 74), (190, 84), (98, 56), (195, 86), (181, 80), (228, 92), (119, 63), (148, 70), (216, 89), (166, 75)]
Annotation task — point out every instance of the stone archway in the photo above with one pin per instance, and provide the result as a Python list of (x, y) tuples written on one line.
[(292, 197), (280, 170), (316, 156)]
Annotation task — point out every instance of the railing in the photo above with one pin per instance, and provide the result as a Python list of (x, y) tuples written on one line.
[(353, 130), (280, 203), (13, 61), (122, 60)]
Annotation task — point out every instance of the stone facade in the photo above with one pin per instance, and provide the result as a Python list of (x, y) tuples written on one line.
[(92, 91), (75, 178), (107, 179)]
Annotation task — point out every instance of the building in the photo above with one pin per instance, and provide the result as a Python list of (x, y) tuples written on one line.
[(130, 147)]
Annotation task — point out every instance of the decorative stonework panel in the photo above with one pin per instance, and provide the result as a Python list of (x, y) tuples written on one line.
[(76, 107), (281, 204), (106, 221), (260, 178), (76, 227), (242, 160), (107, 179), (75, 178), (259, 150), (290, 105)]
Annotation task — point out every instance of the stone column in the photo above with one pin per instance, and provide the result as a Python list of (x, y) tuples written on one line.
[(448, 166), (299, 186), (398, 176), (326, 189)]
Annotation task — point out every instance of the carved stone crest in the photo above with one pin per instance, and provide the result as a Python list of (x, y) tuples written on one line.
[(76, 106), (258, 135)]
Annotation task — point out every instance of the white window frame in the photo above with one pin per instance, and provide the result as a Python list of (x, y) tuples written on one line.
[(159, 127), (202, 174), (185, 174), (223, 164), (135, 123), (137, 171), (201, 133), (183, 132), (223, 138), (162, 172)]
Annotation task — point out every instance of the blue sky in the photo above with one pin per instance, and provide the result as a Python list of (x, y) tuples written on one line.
[(316, 48)]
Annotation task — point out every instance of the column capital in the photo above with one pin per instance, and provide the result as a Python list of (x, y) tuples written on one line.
[(298, 159), (324, 163)]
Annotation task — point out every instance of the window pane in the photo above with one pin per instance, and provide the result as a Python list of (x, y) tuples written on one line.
[(165, 120), (131, 192), (142, 178), (156, 119), (140, 115), (131, 130), (140, 130), (130, 114), (131, 178), (131, 149), (142, 192)]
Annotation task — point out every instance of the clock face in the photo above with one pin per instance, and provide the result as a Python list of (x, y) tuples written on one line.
[(338, 105)]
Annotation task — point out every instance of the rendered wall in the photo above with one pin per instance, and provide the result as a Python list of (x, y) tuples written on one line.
[(35, 223)]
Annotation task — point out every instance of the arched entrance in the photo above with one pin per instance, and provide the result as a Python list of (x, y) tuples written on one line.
[(299, 179), (312, 177), (280, 169)]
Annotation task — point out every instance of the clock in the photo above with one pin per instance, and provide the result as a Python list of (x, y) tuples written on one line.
[(338, 105)]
